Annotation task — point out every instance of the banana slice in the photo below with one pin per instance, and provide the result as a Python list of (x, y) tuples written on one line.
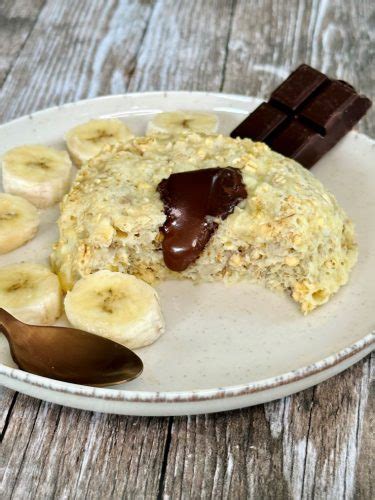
[(117, 306), (176, 122), (39, 174), (19, 222), (87, 140), (31, 293)]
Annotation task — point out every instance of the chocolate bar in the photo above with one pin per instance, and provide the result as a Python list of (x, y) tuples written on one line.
[(305, 116)]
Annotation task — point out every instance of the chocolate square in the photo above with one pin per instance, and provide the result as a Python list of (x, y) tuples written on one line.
[(261, 123), (298, 87)]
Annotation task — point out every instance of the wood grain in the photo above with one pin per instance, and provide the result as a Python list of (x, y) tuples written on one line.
[(54, 452), (184, 47), (304, 446), (77, 49), (6, 399), (364, 473), (315, 444), (17, 19)]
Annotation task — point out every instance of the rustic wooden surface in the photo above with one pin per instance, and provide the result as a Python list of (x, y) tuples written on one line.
[(315, 444)]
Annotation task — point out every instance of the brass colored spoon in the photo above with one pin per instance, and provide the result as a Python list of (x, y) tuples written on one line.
[(68, 354)]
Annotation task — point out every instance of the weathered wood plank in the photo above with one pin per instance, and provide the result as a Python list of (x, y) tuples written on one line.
[(229, 455), (54, 452), (335, 435), (365, 485), (17, 19), (77, 49), (184, 47), (6, 399), (270, 38), (304, 446), (20, 427)]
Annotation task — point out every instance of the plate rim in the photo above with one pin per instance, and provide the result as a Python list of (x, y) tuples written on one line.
[(136, 396), (164, 93)]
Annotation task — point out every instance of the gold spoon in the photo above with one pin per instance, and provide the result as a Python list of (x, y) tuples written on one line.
[(68, 354)]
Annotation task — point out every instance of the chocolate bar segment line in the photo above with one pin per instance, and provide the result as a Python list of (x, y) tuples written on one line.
[(299, 142), (334, 99), (306, 116)]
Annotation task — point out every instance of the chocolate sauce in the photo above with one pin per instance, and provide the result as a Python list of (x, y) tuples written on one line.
[(191, 201)]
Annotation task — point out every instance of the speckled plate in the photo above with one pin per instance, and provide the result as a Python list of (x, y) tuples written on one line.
[(225, 347)]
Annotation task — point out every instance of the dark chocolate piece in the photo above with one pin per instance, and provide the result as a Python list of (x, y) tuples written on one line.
[(191, 201), (337, 105), (299, 142), (265, 119), (297, 88), (306, 115)]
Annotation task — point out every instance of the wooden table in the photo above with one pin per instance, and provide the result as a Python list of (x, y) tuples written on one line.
[(316, 444)]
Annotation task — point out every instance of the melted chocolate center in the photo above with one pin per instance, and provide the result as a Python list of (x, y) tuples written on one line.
[(191, 201)]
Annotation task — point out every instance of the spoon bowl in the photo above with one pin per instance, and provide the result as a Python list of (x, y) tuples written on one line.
[(68, 354)]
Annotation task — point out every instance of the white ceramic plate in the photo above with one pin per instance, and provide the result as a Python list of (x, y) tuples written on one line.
[(225, 347)]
